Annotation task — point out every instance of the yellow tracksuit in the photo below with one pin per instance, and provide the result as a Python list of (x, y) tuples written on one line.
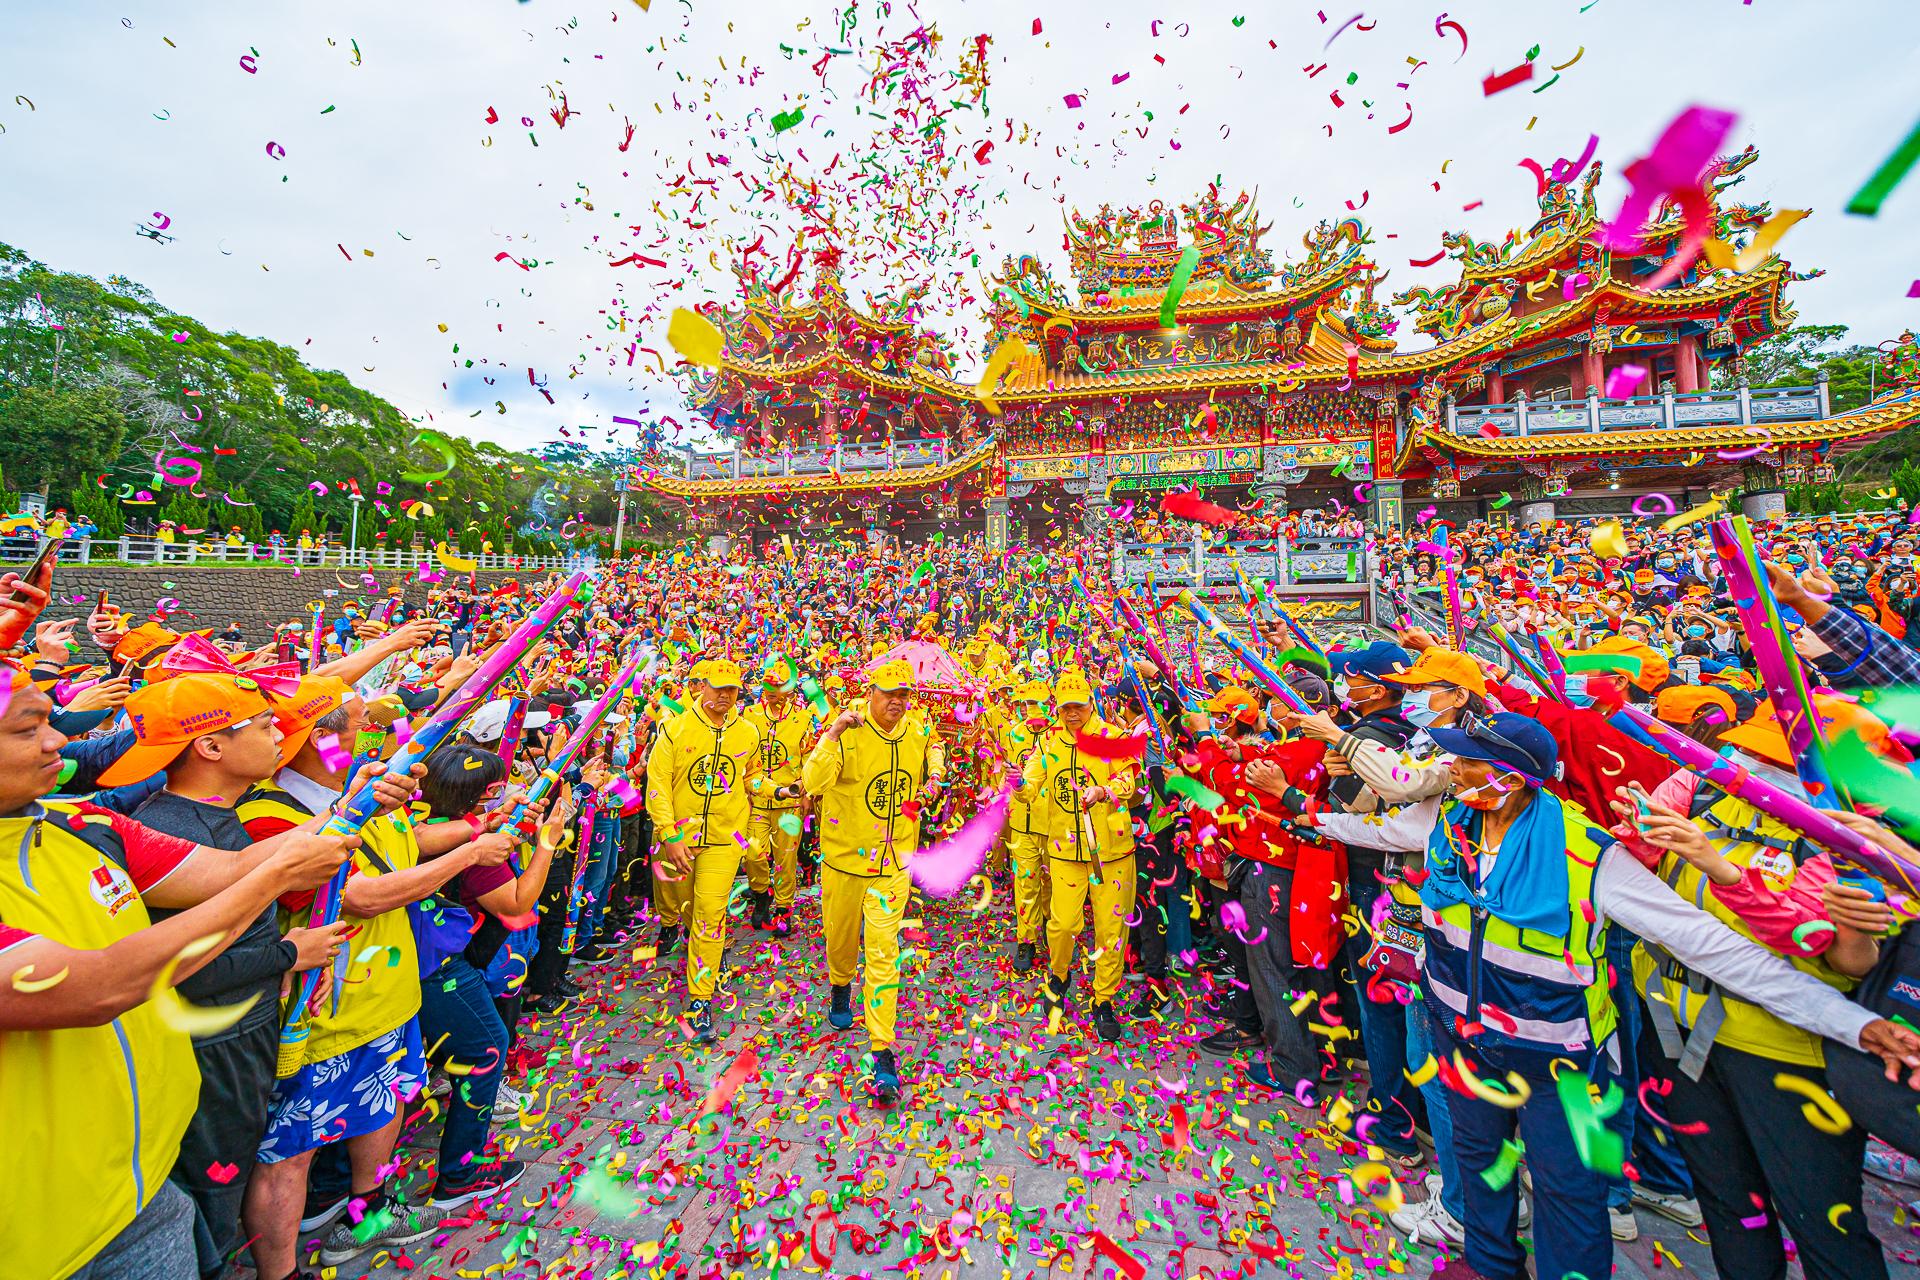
[(699, 777), (1089, 851), (862, 780), (772, 848), (1017, 741)]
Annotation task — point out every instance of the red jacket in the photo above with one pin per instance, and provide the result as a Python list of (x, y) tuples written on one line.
[(1595, 756)]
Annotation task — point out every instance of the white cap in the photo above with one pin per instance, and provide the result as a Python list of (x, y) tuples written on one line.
[(490, 721)]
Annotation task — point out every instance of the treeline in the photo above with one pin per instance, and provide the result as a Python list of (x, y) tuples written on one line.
[(102, 388)]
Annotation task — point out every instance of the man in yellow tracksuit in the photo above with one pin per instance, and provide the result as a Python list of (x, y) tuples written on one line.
[(871, 770), (672, 887), (1019, 733), (700, 774), (773, 846), (1079, 804)]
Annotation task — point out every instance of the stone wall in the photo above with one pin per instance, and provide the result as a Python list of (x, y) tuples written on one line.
[(258, 597)]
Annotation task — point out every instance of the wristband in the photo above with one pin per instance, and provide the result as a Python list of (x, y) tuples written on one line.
[(476, 826)]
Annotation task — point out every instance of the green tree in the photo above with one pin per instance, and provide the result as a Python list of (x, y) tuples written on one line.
[(58, 438)]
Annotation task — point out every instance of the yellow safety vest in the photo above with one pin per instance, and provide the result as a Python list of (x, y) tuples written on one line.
[(90, 1117), (382, 991), (1679, 998), (1052, 781), (865, 780)]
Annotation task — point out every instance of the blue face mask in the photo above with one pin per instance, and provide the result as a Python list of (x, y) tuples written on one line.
[(1696, 631), (1417, 707), (1577, 690)]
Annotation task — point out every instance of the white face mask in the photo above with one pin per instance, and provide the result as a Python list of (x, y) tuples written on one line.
[(1417, 707)]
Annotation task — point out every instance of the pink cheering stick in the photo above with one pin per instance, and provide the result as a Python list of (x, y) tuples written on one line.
[(356, 811)]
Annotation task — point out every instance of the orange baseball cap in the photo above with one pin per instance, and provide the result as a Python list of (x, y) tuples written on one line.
[(169, 715), (1437, 665), (1653, 667), (143, 640), (1765, 737), (317, 696), (1681, 705)]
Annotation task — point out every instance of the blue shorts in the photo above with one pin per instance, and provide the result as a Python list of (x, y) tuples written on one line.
[(356, 1092)]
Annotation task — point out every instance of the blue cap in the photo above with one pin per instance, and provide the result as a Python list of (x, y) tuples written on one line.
[(1381, 658), (1510, 739)]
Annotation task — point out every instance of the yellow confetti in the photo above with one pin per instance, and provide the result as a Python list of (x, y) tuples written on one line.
[(26, 983), (1821, 1111), (1833, 1217), (695, 337), (1609, 542), (1723, 256), (996, 365), (452, 562), (195, 1020)]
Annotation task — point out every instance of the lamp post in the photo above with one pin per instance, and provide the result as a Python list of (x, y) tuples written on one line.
[(353, 533)]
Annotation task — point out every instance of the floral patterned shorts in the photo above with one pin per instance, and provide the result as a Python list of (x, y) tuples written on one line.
[(344, 1096)]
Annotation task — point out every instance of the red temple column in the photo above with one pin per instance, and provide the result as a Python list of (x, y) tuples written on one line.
[(1496, 388), (1591, 370), (1686, 365)]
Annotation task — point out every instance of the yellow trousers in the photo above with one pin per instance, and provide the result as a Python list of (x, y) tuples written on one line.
[(773, 855), (880, 904), (1112, 898), (1029, 885), (714, 869), (672, 890)]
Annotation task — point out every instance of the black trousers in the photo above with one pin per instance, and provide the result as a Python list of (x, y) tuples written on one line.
[(1156, 866), (632, 878), (236, 1086), (1239, 1006), (1758, 1146), (549, 963)]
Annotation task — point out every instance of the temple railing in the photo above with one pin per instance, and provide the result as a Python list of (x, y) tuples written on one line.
[(1742, 406), (858, 456), (1198, 563)]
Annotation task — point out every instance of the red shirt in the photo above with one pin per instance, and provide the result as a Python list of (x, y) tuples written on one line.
[(1595, 756)]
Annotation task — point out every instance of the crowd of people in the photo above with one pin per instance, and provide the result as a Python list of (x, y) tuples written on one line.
[(1605, 925)]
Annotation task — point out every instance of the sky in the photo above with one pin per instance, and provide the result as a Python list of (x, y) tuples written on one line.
[(328, 176)]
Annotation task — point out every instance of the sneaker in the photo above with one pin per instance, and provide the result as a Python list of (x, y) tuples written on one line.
[(1525, 1218), (1106, 1022), (759, 908), (320, 1212), (600, 955), (1155, 1000), (669, 939), (782, 922), (566, 988), (1681, 1209), (1054, 997), (439, 1083), (700, 1021), (1623, 1224), (886, 1078), (493, 1177), (841, 1016), (1023, 957), (507, 1103), (1429, 1223), (391, 1225), (1230, 1042)]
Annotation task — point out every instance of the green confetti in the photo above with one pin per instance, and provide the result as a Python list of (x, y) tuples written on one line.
[(1181, 785), (1177, 286), (1867, 200), (1498, 1174)]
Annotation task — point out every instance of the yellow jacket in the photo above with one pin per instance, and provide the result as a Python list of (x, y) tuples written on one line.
[(783, 748), (699, 778), (1052, 780), (1017, 742), (865, 778)]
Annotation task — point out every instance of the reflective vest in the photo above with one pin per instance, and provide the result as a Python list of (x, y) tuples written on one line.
[(1052, 782), (1541, 990), (783, 744), (702, 772), (377, 993), (1680, 999), (90, 1117), (869, 785)]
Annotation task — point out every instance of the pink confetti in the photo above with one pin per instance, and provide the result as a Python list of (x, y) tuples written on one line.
[(1625, 380), (943, 869), (332, 754)]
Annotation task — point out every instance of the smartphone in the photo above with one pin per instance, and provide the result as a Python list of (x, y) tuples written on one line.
[(48, 549), (101, 601)]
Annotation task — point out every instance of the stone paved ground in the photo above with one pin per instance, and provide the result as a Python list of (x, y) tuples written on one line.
[(1013, 1152)]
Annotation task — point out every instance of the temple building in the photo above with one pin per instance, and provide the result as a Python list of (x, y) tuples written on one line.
[(1291, 383)]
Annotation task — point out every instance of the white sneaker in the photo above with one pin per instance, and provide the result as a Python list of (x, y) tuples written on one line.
[(1428, 1222), (1526, 1211), (1680, 1209), (439, 1083), (507, 1103), (1623, 1223)]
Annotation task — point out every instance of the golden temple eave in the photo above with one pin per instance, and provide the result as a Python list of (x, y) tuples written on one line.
[(1321, 282), (1535, 256), (1865, 421), (828, 482)]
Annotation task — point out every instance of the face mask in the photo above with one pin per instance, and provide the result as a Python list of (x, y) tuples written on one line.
[(1577, 690), (1417, 707), (1696, 631)]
